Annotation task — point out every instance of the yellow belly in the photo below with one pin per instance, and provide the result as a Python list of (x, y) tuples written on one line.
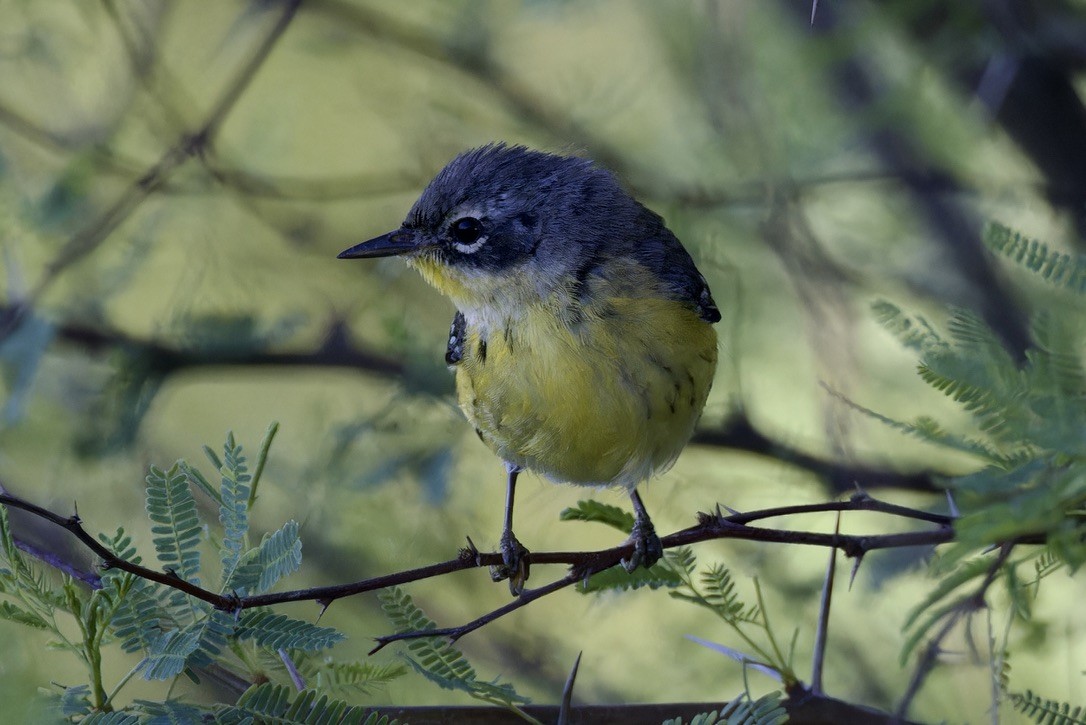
[(609, 400)]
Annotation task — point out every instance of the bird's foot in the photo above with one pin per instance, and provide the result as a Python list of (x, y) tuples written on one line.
[(647, 547), (514, 566)]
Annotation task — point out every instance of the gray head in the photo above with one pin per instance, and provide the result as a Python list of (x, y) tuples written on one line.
[(499, 216)]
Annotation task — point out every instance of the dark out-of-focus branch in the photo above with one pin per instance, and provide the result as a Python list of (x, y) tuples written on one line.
[(163, 358), (740, 435)]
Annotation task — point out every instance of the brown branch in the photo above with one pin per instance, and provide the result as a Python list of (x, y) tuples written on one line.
[(741, 435), (583, 564), (163, 358)]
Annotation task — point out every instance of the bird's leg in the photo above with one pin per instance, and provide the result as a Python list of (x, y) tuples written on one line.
[(514, 564), (647, 548)]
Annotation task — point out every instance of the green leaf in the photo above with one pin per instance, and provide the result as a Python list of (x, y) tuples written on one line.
[(359, 677), (1048, 712), (436, 659), (279, 555), (278, 631), (617, 579), (234, 510), (1056, 268), (13, 613), (277, 704), (177, 528), (603, 513)]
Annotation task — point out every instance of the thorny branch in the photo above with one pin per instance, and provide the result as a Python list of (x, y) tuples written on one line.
[(582, 564)]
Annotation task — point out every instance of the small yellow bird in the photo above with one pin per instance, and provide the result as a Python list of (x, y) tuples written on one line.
[(583, 342)]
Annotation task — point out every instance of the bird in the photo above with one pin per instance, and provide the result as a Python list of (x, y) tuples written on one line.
[(583, 343)]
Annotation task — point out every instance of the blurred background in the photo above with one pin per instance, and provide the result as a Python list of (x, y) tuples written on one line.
[(177, 178)]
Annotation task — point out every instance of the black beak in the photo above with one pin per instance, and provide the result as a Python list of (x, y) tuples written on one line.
[(400, 241)]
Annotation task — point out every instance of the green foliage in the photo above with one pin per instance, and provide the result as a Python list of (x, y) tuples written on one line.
[(348, 677), (714, 589), (271, 703), (1029, 419), (603, 513), (438, 660), (1046, 712), (766, 710), (178, 635), (1061, 270)]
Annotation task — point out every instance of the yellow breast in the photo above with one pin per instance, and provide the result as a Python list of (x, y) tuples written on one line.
[(607, 395)]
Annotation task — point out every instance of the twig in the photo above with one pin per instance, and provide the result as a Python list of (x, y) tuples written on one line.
[(526, 597), (821, 630), (583, 564), (931, 652)]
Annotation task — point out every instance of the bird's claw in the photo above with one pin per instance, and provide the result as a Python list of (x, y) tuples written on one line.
[(514, 566), (647, 547)]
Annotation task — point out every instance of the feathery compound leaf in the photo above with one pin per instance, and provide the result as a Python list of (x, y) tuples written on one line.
[(280, 554), (75, 700), (168, 654), (1061, 270), (437, 660), (13, 613), (617, 579), (766, 710), (358, 677), (170, 712), (196, 645), (278, 631), (1048, 712), (234, 511), (111, 718), (279, 705), (914, 332), (603, 513), (177, 527), (682, 560), (137, 623)]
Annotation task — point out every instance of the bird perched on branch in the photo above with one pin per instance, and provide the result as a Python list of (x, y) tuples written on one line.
[(583, 342)]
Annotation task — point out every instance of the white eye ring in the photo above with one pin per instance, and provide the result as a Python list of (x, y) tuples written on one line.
[(470, 248)]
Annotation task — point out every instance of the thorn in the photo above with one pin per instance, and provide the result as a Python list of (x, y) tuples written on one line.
[(235, 603), (861, 495), (381, 643), (567, 692), (814, 10), (952, 506), (855, 569), (324, 604), (470, 553), (730, 510)]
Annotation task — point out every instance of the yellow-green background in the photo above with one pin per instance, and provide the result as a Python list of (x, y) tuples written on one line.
[(713, 113)]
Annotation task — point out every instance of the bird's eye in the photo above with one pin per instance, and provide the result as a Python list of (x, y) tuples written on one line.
[(467, 231)]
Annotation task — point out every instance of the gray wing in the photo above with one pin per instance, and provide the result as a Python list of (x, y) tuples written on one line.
[(666, 255)]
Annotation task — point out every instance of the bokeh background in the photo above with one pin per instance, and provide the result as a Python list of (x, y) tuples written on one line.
[(176, 179)]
